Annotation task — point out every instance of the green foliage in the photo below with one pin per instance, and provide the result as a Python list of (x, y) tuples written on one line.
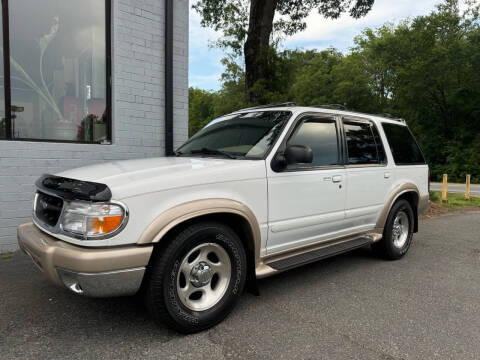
[(205, 106), (232, 17), (228, 16), (250, 28), (7, 256), (201, 109), (436, 196), (454, 201), (425, 70)]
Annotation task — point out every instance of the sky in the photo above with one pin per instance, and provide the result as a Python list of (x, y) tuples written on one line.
[(321, 33)]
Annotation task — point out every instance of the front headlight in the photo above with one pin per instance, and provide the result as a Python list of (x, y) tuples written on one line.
[(93, 220)]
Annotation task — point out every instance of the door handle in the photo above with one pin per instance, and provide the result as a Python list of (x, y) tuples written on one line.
[(337, 178), (387, 175)]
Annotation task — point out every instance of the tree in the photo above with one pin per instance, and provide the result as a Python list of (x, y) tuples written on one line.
[(424, 70), (201, 109), (251, 27), (313, 83)]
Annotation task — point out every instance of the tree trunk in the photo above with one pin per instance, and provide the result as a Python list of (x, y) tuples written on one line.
[(256, 48)]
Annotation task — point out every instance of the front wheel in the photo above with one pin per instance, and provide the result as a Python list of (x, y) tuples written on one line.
[(398, 232), (197, 278)]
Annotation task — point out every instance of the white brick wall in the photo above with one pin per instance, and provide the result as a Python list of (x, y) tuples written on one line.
[(180, 71), (138, 61)]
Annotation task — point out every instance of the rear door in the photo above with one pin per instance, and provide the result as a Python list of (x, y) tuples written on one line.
[(306, 201), (369, 176)]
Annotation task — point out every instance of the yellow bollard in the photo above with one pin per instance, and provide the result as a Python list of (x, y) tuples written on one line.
[(444, 190), (467, 188)]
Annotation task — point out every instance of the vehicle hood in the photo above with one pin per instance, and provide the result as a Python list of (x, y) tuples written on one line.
[(129, 178)]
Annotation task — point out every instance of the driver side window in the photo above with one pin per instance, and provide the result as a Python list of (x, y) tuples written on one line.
[(320, 135)]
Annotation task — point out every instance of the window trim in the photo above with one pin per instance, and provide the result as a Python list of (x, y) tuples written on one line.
[(353, 119), (7, 80), (295, 125)]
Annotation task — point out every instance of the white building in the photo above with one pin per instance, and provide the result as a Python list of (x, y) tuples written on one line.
[(85, 82)]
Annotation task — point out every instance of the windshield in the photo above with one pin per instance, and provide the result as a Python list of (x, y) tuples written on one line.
[(247, 135)]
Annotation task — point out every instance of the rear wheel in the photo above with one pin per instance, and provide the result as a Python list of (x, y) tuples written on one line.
[(398, 232), (196, 280)]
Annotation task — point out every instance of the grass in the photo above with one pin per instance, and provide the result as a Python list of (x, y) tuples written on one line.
[(7, 256), (454, 201)]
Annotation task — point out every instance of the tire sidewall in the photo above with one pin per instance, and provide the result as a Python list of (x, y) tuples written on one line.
[(207, 233), (401, 205)]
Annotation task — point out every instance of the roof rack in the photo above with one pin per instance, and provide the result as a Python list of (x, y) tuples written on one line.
[(391, 117), (285, 104), (331, 106), (386, 115)]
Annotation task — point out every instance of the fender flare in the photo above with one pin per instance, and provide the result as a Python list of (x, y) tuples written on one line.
[(392, 197), (178, 214)]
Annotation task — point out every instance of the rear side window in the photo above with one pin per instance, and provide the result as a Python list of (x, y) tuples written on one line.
[(363, 144), (321, 136), (404, 148)]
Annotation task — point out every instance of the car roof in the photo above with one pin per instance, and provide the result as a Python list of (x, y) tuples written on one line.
[(386, 118)]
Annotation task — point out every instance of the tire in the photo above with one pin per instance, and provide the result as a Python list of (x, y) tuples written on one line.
[(195, 281), (398, 232)]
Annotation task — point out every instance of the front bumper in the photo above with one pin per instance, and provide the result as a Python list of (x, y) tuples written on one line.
[(91, 272)]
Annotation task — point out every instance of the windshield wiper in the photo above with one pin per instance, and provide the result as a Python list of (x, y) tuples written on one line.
[(208, 151)]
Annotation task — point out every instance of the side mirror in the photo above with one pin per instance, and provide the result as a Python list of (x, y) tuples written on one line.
[(279, 163), (298, 154), (293, 154)]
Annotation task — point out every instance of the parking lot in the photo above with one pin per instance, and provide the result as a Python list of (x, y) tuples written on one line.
[(354, 306)]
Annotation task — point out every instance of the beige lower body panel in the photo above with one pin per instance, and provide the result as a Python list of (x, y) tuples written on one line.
[(423, 204), (264, 270), (50, 254)]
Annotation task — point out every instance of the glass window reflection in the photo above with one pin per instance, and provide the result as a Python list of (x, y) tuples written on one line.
[(58, 70)]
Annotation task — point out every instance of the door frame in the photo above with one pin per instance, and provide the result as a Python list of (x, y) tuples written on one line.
[(295, 126), (362, 120)]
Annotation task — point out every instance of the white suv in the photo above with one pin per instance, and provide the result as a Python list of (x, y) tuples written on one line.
[(253, 193)]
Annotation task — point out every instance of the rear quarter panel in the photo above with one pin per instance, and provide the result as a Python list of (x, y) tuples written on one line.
[(416, 174), (402, 174)]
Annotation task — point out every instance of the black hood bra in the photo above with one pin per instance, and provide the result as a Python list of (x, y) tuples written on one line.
[(71, 189)]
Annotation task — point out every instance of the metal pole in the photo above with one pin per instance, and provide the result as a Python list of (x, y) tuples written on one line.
[(6, 71), (169, 77)]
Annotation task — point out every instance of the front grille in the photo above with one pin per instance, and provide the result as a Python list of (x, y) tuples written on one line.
[(48, 208)]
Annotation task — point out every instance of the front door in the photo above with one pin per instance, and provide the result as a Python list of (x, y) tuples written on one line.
[(306, 201)]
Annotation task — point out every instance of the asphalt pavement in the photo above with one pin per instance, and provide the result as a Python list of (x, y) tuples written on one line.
[(354, 306), (457, 188)]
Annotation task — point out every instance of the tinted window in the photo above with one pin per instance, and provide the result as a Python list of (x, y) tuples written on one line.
[(404, 148), (321, 137), (248, 135), (361, 145)]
